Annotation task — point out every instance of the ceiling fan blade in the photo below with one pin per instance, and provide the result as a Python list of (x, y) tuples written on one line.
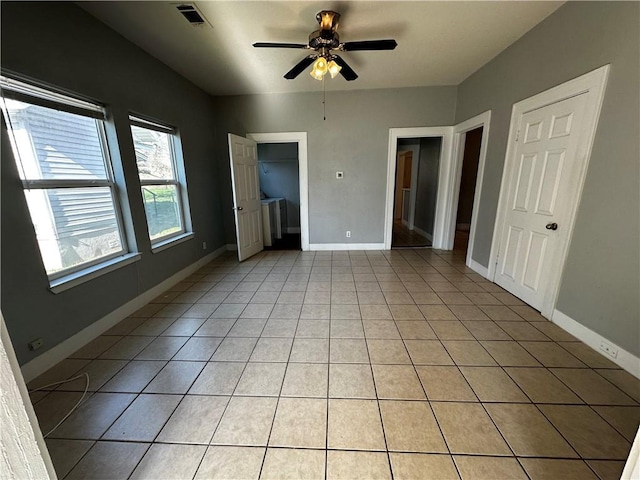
[(347, 72), (299, 68), (369, 45), (279, 45)]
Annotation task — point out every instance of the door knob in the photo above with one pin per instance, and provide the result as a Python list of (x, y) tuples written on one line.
[(240, 208), (551, 226)]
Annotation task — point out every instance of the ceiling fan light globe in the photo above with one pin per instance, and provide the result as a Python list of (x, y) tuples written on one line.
[(316, 74), (320, 68), (321, 65), (334, 68)]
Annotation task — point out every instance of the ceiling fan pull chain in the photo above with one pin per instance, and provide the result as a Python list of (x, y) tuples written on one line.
[(324, 100)]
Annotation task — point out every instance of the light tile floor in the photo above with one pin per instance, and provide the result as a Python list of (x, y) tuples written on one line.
[(401, 364)]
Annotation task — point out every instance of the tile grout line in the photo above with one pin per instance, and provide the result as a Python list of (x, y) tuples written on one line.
[(209, 445), (183, 396), (428, 401), (375, 389), (326, 429), (275, 411), (471, 389)]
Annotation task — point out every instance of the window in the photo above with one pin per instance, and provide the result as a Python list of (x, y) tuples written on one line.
[(163, 189), (60, 148)]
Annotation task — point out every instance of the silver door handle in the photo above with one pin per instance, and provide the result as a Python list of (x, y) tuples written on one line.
[(239, 208)]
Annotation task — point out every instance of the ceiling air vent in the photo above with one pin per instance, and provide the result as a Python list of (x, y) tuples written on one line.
[(191, 13)]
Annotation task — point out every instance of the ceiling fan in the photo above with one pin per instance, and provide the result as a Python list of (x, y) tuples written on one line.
[(324, 42)]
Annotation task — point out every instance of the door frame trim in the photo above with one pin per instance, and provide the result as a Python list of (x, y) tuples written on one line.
[(592, 84), (483, 120), (303, 173), (444, 173)]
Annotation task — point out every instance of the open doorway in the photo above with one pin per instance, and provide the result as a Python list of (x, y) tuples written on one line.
[(467, 160), (297, 211), (245, 184), (279, 178), (416, 191), (470, 162), (432, 147)]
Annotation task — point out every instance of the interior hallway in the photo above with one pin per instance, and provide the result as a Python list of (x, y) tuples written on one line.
[(393, 364)]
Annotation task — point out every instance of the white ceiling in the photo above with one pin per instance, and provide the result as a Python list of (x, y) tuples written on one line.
[(439, 43)]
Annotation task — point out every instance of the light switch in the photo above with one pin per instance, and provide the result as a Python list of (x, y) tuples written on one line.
[(339, 175)]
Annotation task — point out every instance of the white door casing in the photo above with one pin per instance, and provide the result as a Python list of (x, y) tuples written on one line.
[(24, 451), (246, 196), (483, 120), (549, 145), (443, 178)]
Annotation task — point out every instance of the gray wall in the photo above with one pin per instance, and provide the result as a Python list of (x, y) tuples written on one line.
[(60, 44), (354, 139), (427, 189), (600, 282), (278, 173)]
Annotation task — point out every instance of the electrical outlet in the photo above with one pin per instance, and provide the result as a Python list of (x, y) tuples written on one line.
[(609, 349), (204, 245), (36, 344), (348, 233)]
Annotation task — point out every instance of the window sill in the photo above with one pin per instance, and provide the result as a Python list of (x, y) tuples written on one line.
[(160, 246), (62, 284)]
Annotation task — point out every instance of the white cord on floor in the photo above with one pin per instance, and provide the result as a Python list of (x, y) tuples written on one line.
[(86, 388)]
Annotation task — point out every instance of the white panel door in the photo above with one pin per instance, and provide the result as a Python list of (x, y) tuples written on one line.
[(246, 196), (542, 188)]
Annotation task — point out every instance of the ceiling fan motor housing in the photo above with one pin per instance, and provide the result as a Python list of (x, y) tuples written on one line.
[(323, 38), (327, 35)]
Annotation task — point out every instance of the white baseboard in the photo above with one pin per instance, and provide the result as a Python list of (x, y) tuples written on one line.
[(232, 247), (293, 230), (42, 363), (346, 246), (479, 269), (423, 233), (626, 360)]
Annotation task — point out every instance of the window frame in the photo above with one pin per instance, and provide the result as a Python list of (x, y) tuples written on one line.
[(32, 93), (178, 181)]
